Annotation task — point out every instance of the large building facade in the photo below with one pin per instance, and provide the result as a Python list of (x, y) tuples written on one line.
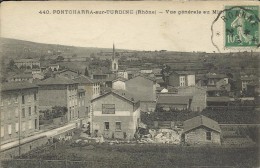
[(19, 110), (115, 115), (59, 91)]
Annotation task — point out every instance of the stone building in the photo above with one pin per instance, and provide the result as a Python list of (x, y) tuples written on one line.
[(59, 91), (19, 110), (201, 130), (116, 114)]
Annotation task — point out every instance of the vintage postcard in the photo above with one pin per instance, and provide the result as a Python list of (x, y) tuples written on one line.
[(129, 84)]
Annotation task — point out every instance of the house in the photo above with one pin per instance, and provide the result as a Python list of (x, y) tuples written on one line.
[(21, 77), (122, 74), (27, 63), (172, 102), (201, 130), (181, 78), (59, 91), (119, 83), (214, 78), (115, 114), (54, 67), (245, 80), (199, 96), (218, 101), (144, 88), (82, 110), (68, 73), (19, 110), (91, 87)]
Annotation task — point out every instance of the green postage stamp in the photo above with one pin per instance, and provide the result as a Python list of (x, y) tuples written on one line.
[(241, 26)]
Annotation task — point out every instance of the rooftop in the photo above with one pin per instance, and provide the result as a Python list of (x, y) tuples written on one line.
[(57, 80), (121, 93), (26, 60), (17, 85), (200, 121), (173, 99), (218, 99), (83, 80)]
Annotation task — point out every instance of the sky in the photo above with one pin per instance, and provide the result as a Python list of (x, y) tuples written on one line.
[(184, 32)]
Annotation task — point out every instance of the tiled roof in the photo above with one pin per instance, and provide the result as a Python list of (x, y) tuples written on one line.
[(83, 80), (184, 72), (121, 93), (120, 79), (216, 76), (57, 80), (200, 121), (218, 99), (17, 85), (26, 60), (173, 99)]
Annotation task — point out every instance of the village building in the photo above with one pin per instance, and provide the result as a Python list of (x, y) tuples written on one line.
[(143, 88), (19, 110), (82, 110), (199, 96), (20, 77), (172, 102), (54, 67), (91, 87), (213, 79), (115, 114), (122, 74), (181, 78), (70, 74), (59, 91), (119, 83), (27, 63), (201, 130), (245, 80)]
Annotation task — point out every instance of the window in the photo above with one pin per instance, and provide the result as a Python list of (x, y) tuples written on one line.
[(23, 99), (106, 125), (35, 96), (16, 112), (182, 80), (16, 99), (2, 131), (35, 109), (16, 127), (208, 135), (108, 108), (83, 103), (9, 129), (118, 126), (30, 111), (23, 112)]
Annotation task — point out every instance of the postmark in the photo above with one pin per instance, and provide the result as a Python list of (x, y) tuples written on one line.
[(240, 28)]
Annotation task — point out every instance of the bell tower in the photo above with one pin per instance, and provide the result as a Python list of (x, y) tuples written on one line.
[(114, 61)]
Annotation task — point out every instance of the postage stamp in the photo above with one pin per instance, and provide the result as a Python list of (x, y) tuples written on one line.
[(241, 26)]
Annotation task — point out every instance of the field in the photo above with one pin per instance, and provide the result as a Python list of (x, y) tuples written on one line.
[(137, 155)]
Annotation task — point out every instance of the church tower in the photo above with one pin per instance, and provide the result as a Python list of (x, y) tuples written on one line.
[(114, 61)]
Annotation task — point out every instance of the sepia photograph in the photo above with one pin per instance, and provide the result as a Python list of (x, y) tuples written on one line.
[(129, 84)]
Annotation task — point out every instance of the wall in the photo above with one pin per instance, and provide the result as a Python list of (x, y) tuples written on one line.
[(118, 85), (143, 89), (190, 80), (174, 80), (53, 95), (198, 136), (123, 113), (199, 97), (11, 106)]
